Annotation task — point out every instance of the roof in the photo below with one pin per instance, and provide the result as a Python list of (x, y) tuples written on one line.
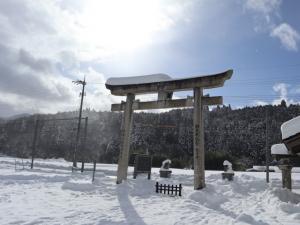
[(138, 79), (279, 149), (164, 83), (290, 127)]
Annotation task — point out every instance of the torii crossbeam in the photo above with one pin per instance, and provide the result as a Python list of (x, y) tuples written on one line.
[(164, 85)]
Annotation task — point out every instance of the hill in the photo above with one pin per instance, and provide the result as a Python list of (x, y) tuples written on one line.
[(238, 135)]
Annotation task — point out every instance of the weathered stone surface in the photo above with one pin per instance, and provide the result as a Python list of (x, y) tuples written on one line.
[(209, 81), (286, 171), (228, 176)]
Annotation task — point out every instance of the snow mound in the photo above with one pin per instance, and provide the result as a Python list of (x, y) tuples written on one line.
[(209, 197), (33, 177), (243, 217), (290, 127), (286, 196), (138, 79), (77, 186), (279, 149)]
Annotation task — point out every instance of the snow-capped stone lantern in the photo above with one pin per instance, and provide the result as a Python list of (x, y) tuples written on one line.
[(290, 131), (164, 170), (228, 172), (289, 149), (283, 158)]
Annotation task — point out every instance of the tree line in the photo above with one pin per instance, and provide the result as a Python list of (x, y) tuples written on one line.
[(238, 135)]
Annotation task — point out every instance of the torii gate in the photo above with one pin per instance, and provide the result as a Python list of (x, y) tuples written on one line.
[(164, 85)]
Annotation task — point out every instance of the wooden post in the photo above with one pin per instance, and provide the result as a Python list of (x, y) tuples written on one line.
[(82, 167), (180, 188), (198, 135), (267, 148), (94, 171), (84, 144), (36, 127), (125, 139)]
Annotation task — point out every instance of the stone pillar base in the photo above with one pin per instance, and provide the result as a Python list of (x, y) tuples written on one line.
[(286, 171), (165, 173), (228, 176)]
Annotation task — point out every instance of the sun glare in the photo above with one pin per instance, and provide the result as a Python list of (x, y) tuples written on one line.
[(114, 26)]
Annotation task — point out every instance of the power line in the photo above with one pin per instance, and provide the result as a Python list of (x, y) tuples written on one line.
[(272, 67), (266, 80), (95, 83), (258, 96), (250, 80)]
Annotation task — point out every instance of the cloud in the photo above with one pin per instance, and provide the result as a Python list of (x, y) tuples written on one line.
[(287, 35), (8, 110), (39, 65), (265, 7), (263, 12), (282, 90), (30, 84), (24, 75), (97, 96), (44, 45), (25, 17), (260, 102)]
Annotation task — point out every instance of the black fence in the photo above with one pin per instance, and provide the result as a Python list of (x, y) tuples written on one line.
[(168, 189)]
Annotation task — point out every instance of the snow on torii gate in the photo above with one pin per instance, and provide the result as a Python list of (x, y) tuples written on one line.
[(165, 86)]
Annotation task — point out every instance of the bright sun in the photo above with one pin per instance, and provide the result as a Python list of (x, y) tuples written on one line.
[(116, 26)]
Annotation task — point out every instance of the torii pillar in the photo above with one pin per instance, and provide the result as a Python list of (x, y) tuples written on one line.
[(125, 139), (164, 86), (198, 140)]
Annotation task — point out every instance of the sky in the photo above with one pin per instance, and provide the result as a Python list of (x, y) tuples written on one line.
[(45, 45)]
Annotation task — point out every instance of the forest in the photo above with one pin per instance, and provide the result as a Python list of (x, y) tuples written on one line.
[(238, 135)]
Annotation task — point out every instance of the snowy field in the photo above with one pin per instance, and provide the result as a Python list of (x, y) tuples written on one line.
[(51, 194)]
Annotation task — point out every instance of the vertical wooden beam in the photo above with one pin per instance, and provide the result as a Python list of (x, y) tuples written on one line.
[(36, 127), (267, 148), (198, 135), (84, 144), (125, 139), (94, 170)]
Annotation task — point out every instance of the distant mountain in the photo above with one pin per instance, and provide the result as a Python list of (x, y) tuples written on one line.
[(14, 117)]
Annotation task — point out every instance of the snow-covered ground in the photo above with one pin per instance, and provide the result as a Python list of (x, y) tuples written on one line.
[(51, 194)]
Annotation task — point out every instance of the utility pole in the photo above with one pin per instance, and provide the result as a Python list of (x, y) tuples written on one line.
[(83, 83), (267, 147)]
